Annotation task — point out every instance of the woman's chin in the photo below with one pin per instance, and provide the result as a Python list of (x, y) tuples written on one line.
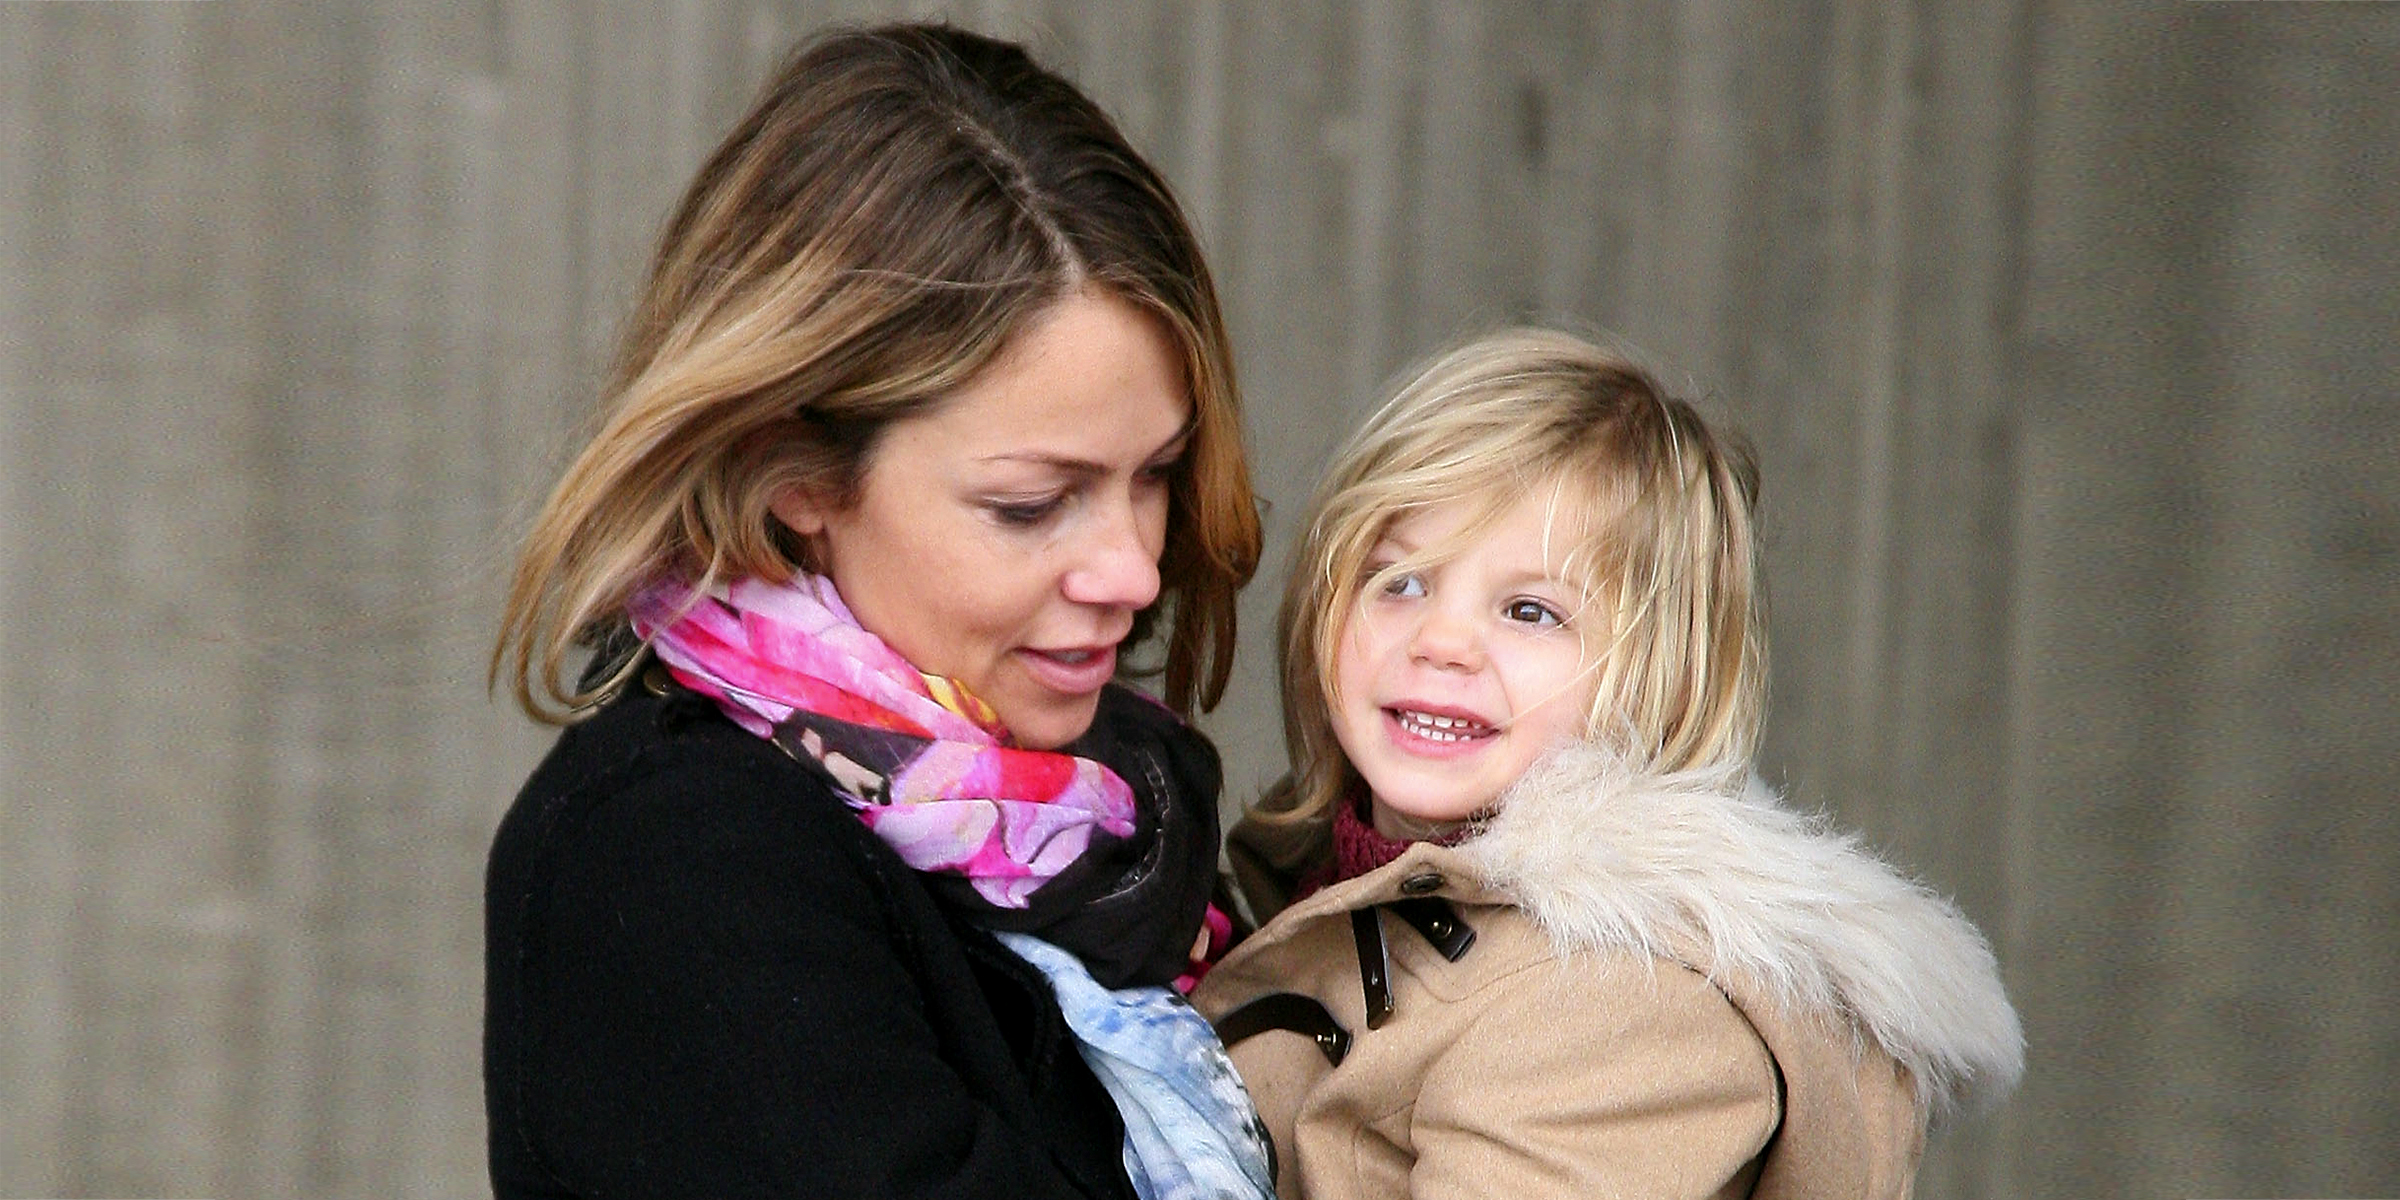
[(1049, 725)]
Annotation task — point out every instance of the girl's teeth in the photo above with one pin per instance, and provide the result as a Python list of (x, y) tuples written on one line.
[(1438, 728)]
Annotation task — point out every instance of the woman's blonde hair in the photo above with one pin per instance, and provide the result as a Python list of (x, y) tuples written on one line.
[(1653, 510), (899, 203)]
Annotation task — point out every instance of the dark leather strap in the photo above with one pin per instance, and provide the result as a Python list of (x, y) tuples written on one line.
[(1288, 1011), (1374, 964), (1431, 916), (1438, 923)]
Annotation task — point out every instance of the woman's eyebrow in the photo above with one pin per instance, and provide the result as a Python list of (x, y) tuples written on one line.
[(1066, 464), (1072, 465), (1182, 436)]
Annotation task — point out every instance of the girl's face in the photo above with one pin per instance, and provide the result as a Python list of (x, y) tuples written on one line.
[(1454, 678), (1007, 537)]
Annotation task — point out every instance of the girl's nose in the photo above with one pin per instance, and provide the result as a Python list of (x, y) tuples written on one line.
[(1447, 639), (1116, 564)]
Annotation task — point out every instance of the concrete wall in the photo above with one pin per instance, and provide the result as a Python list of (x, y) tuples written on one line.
[(2066, 334)]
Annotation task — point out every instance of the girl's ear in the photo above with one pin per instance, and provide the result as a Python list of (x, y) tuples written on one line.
[(800, 510)]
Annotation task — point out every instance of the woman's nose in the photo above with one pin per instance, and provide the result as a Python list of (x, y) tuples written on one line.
[(1116, 564)]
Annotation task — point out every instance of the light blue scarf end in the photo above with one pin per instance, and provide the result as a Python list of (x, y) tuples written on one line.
[(1191, 1132)]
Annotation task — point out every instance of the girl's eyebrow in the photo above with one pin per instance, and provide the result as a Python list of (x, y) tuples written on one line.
[(1519, 576), (1539, 575)]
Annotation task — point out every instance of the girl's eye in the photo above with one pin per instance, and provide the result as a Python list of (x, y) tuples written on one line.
[(1533, 612), (1406, 584), (1023, 513)]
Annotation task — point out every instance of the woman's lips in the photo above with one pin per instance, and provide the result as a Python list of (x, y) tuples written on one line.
[(1075, 671)]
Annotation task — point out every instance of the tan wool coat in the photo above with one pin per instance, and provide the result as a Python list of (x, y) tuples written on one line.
[(1674, 987)]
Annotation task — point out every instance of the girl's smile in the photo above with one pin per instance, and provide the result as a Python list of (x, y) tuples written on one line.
[(1426, 729)]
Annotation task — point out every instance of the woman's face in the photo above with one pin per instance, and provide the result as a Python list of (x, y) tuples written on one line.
[(1007, 537)]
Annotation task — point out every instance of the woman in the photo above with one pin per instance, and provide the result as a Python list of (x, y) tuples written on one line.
[(926, 415)]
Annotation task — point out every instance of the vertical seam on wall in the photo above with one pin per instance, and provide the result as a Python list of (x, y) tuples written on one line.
[(1879, 369)]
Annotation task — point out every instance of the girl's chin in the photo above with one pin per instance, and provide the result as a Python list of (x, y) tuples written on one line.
[(1416, 823)]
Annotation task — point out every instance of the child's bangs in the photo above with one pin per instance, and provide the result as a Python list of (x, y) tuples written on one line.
[(1585, 509)]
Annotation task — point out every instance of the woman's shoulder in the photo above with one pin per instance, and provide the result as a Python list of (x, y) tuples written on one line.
[(664, 783)]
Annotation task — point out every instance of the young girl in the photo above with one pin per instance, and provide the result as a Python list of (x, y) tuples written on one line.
[(1536, 928)]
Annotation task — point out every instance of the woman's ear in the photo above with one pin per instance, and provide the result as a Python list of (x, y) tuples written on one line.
[(799, 509)]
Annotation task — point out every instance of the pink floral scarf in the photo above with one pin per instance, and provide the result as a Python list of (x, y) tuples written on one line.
[(926, 765)]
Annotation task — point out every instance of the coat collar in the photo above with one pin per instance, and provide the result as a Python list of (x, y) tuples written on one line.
[(1709, 867)]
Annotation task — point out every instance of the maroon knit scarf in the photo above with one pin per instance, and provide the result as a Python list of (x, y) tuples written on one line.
[(1358, 849)]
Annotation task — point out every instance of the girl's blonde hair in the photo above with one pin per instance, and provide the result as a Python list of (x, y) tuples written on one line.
[(900, 202), (1653, 510)]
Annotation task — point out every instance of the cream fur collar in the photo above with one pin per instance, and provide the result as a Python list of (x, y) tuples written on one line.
[(1710, 864)]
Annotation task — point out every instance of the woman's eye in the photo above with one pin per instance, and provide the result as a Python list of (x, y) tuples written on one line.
[(1533, 612), (1022, 512)]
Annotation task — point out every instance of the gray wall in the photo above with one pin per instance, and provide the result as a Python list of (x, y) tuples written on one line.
[(2066, 334)]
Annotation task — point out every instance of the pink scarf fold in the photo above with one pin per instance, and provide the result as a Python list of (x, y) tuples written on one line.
[(922, 761)]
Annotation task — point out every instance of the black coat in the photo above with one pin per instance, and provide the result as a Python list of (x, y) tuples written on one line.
[(705, 977)]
